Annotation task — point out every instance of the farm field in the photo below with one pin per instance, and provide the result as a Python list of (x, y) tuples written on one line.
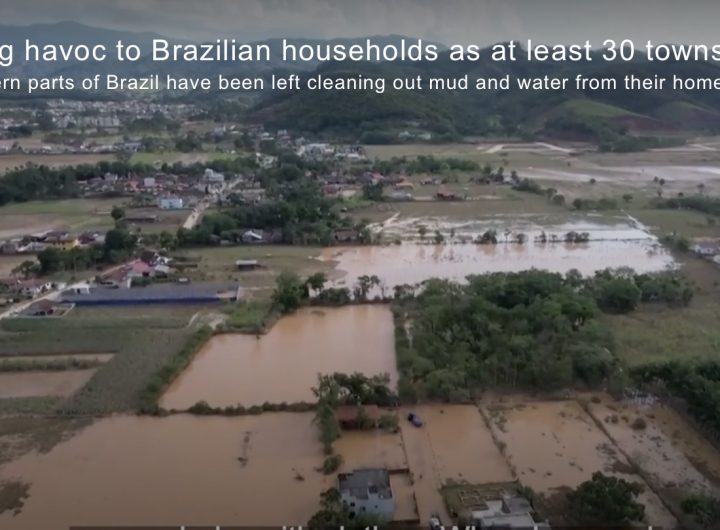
[(676, 459), (41, 216), (172, 157), (140, 346), (541, 444), (8, 162), (243, 369)]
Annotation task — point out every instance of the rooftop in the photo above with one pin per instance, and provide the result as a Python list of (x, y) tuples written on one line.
[(361, 482)]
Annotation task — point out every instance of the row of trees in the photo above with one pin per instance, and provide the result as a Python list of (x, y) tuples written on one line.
[(118, 247)]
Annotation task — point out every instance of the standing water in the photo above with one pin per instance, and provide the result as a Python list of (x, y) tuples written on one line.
[(283, 365)]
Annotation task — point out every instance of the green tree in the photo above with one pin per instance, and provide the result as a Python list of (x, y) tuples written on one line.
[(606, 500), (117, 213), (289, 292)]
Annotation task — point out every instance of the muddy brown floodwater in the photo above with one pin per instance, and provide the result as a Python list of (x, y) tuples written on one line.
[(283, 365), (554, 445), (249, 471), (413, 263), (36, 384)]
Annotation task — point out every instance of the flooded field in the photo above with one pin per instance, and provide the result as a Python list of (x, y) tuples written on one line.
[(172, 471), (283, 365), (411, 263), (676, 457), (556, 445), (37, 384)]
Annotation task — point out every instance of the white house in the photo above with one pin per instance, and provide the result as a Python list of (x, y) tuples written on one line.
[(367, 491), (213, 177), (171, 203)]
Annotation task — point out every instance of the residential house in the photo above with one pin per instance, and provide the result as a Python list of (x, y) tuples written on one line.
[(33, 287), (505, 511), (61, 240), (367, 491)]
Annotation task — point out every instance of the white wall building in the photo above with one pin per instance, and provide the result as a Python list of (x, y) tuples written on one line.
[(367, 491)]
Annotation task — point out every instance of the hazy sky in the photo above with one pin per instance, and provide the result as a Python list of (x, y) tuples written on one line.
[(448, 21)]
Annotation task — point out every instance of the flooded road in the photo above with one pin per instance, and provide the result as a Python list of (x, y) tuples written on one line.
[(283, 365), (413, 263), (37, 384), (173, 471)]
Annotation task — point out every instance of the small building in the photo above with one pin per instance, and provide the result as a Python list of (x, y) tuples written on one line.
[(247, 264), (171, 203), (507, 512), (346, 235), (44, 308), (367, 491), (351, 417), (706, 249), (61, 240), (404, 185), (446, 196), (141, 218), (33, 287)]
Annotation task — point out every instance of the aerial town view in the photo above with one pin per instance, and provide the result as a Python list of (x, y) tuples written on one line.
[(264, 305)]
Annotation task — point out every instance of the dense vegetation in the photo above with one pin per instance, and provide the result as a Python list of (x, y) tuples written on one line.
[(604, 500), (532, 329), (698, 384)]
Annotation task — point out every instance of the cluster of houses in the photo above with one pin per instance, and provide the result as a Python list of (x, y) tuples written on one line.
[(59, 239), (170, 191)]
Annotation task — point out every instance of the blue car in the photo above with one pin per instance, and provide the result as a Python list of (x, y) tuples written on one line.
[(415, 419)]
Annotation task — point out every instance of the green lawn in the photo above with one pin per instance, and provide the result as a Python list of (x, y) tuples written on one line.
[(141, 345), (685, 222), (659, 333), (219, 263), (170, 157)]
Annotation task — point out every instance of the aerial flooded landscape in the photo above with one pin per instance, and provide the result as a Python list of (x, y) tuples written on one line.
[(412, 308)]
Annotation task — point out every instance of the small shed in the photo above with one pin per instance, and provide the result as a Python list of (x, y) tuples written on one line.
[(247, 264)]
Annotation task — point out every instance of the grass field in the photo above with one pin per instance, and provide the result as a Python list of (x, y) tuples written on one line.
[(71, 214), (659, 333), (15, 161), (685, 222), (219, 263), (171, 157), (489, 201), (141, 339)]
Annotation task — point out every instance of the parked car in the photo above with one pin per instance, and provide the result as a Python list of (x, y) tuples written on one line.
[(435, 523), (415, 419)]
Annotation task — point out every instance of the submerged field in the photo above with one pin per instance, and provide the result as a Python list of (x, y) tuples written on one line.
[(243, 369)]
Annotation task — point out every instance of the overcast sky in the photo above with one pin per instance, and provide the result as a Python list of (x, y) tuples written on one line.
[(448, 21)]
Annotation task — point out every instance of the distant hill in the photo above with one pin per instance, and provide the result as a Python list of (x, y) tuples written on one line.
[(514, 110)]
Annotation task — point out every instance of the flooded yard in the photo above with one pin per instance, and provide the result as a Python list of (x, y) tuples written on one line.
[(453, 445), (37, 384), (172, 471), (283, 365), (557, 445), (677, 458)]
